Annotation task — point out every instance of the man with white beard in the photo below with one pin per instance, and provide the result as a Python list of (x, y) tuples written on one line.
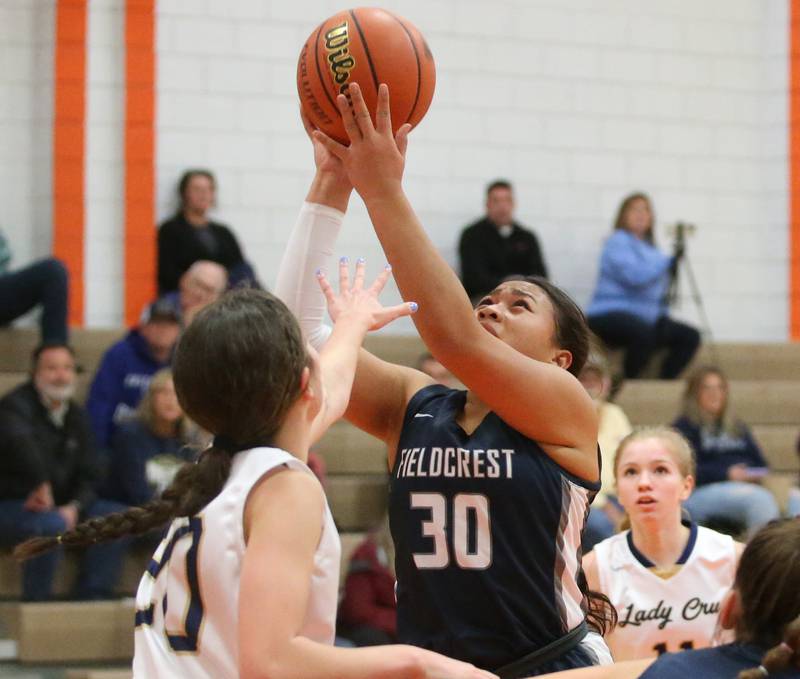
[(48, 471)]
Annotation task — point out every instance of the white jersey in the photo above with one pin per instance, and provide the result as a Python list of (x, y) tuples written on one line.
[(188, 599), (658, 615)]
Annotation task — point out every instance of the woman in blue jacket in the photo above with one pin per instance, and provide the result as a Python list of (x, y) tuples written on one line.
[(629, 309)]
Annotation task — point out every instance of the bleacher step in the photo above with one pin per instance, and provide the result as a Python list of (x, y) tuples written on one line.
[(771, 402), (75, 631), (358, 502)]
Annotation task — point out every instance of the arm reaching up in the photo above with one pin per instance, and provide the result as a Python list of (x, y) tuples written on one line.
[(355, 311), (504, 352)]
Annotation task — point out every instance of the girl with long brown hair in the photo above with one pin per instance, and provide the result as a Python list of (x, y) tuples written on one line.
[(244, 584)]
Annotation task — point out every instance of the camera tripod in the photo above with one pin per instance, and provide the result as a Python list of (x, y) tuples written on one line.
[(673, 292)]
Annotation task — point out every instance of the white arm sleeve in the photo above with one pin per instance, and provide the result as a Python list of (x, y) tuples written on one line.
[(309, 249)]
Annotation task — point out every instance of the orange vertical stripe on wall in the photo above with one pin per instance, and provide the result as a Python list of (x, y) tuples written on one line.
[(140, 234), (794, 170), (69, 85)]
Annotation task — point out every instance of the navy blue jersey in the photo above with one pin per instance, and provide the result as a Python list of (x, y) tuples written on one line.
[(487, 529), (721, 662)]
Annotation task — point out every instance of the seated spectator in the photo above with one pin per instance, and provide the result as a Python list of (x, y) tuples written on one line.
[(730, 464), (190, 235), (605, 513), (125, 371), (430, 366), (656, 573), (44, 283), (147, 451), (496, 247), (629, 308), (368, 611), (47, 472), (202, 284)]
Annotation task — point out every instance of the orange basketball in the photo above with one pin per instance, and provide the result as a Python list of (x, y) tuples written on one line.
[(368, 46)]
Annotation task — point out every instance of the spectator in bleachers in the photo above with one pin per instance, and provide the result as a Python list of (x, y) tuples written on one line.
[(47, 474), (605, 513), (44, 283), (496, 247), (125, 371), (191, 235), (147, 451), (368, 611), (202, 284), (629, 308), (730, 464)]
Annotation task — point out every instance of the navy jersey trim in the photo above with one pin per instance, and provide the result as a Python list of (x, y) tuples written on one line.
[(415, 405), (682, 559)]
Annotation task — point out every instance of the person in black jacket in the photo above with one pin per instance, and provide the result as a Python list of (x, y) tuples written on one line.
[(47, 474), (496, 247), (190, 236)]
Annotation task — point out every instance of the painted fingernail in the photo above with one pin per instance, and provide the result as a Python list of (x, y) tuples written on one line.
[(361, 260), (320, 273), (413, 306), (344, 260), (388, 267)]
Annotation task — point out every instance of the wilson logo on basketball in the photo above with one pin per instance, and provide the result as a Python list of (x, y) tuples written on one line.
[(337, 41)]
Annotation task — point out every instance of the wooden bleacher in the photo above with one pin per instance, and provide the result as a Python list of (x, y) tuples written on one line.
[(765, 388)]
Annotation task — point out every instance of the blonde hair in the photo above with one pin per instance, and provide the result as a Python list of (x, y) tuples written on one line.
[(677, 446), (146, 411)]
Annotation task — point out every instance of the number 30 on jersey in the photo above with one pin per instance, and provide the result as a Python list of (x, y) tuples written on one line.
[(470, 532)]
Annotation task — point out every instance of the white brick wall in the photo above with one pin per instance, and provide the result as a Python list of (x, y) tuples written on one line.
[(105, 161), (26, 121), (577, 101)]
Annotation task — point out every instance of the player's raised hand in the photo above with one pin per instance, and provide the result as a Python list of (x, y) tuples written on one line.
[(359, 304), (325, 161), (375, 159)]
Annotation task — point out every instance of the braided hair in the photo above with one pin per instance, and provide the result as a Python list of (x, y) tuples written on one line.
[(237, 371), (781, 657)]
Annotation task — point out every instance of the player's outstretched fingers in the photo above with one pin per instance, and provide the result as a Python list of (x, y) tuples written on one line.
[(360, 110), (361, 268), (383, 114), (344, 275), (327, 289), (348, 118), (337, 149), (389, 314), (377, 287), (401, 138)]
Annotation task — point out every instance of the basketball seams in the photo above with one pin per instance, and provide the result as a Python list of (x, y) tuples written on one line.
[(410, 115), (366, 49)]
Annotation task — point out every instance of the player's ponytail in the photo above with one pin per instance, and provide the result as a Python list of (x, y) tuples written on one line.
[(783, 656), (193, 487), (237, 370)]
